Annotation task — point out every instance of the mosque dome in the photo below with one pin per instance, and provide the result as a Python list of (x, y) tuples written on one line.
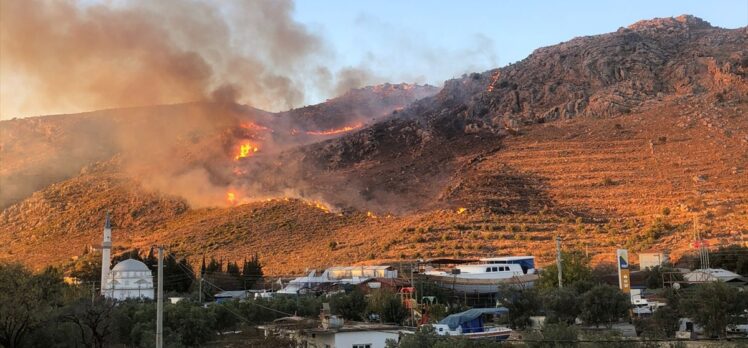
[(130, 265)]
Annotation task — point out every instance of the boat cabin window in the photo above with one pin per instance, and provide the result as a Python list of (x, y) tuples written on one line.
[(494, 269), (488, 269)]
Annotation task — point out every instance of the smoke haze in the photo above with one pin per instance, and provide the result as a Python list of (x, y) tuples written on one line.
[(71, 57)]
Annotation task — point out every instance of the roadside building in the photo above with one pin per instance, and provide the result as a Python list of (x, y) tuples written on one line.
[(332, 333), (713, 275), (359, 335), (652, 258)]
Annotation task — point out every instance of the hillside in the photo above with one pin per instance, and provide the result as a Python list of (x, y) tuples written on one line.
[(591, 139), (38, 151)]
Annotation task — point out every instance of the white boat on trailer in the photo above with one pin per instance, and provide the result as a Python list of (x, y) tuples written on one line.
[(485, 275), (471, 324)]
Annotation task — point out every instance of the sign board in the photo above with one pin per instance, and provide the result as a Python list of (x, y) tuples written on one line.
[(624, 280)]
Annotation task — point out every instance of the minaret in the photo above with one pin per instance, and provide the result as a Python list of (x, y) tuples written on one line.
[(106, 251)]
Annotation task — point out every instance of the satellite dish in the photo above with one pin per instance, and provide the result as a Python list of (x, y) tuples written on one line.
[(676, 286)]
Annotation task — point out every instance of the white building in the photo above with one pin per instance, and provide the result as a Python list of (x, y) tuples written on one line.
[(306, 333), (128, 279), (338, 275), (356, 336), (713, 275), (651, 259)]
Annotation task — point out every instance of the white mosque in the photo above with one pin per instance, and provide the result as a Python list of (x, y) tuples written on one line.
[(128, 279)]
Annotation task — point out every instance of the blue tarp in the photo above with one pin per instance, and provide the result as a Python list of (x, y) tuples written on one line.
[(470, 319), (525, 264)]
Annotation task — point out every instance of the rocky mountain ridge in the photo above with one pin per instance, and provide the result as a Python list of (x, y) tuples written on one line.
[(590, 139)]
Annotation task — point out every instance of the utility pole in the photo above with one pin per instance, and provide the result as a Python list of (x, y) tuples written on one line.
[(160, 300), (200, 296), (558, 260), (413, 295)]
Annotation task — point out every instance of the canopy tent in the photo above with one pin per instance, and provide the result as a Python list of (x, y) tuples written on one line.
[(471, 320)]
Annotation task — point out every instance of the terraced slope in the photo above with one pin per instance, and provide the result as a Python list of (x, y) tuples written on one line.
[(616, 140)]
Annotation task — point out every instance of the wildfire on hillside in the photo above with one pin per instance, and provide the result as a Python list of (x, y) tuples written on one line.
[(252, 126), (246, 150), (231, 198), (494, 77), (318, 205), (336, 130)]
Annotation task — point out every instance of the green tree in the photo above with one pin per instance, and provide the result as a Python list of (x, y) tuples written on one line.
[(86, 268), (663, 323), (714, 306), (561, 305), (424, 337), (521, 302), (252, 272), (133, 322), (351, 306), (26, 301), (233, 269), (554, 335), (190, 323), (388, 305), (179, 273), (575, 268), (604, 304), (93, 319), (733, 258), (213, 266)]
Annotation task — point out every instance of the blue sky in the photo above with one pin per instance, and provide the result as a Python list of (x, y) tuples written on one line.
[(430, 41), (276, 60)]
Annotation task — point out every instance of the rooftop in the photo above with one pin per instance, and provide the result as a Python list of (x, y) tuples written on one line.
[(130, 265), (357, 327), (352, 268), (507, 258)]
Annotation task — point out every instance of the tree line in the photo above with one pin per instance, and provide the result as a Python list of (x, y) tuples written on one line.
[(180, 276)]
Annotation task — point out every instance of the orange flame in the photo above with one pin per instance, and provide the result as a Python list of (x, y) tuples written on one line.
[(371, 215), (245, 150), (336, 130), (461, 210), (494, 77), (252, 126), (318, 205), (231, 198)]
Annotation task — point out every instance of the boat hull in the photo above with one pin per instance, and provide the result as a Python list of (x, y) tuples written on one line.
[(480, 286)]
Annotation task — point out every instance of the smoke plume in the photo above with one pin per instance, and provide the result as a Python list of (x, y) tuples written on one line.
[(66, 56), (74, 57)]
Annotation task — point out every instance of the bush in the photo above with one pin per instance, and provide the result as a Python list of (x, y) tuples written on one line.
[(554, 335), (561, 305), (604, 304), (658, 229), (714, 306), (388, 305), (522, 303), (575, 268), (350, 306)]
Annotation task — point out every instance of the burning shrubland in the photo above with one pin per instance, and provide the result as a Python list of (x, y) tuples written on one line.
[(136, 54)]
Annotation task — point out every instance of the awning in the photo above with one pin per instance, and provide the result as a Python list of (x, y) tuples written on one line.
[(455, 320)]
